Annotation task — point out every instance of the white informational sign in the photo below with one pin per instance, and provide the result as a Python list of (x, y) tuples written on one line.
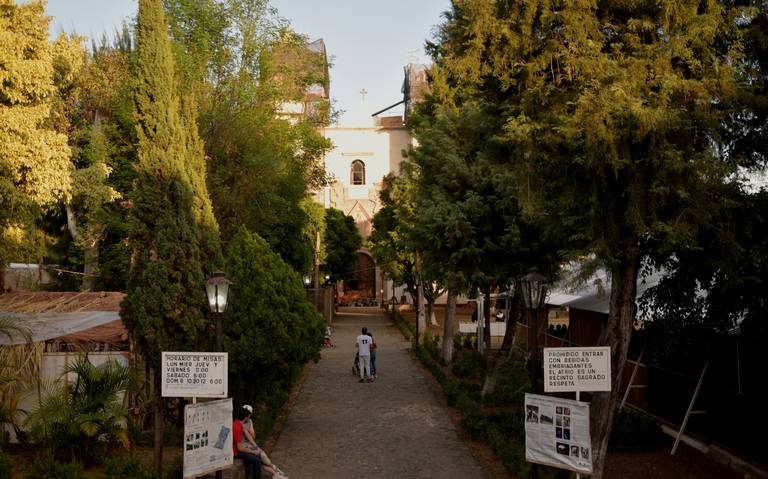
[(207, 437), (557, 433), (202, 375), (577, 369)]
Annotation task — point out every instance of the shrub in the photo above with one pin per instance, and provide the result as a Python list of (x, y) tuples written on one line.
[(82, 419), (458, 341), (127, 467), (47, 467), (503, 431), (176, 471), (272, 330), (6, 466), (512, 382), (468, 364), (407, 329), (432, 345)]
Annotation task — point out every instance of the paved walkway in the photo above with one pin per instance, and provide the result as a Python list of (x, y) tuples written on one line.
[(392, 428)]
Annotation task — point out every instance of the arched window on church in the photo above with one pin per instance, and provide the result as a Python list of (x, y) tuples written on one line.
[(358, 173)]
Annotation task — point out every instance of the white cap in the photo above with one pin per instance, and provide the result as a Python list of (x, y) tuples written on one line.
[(248, 408)]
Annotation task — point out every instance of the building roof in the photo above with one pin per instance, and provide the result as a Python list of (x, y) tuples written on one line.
[(71, 316)]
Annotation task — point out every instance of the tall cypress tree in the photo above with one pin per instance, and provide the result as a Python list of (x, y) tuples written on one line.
[(172, 228)]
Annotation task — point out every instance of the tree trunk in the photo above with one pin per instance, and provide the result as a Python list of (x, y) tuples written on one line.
[(448, 322), (91, 252), (487, 316), (159, 425), (513, 315), (616, 335), (90, 267), (71, 222), (420, 313), (489, 383), (431, 311)]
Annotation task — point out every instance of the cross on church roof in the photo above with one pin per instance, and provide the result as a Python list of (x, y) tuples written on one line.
[(363, 92)]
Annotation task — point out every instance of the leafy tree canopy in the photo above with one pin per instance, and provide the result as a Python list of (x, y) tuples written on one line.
[(35, 166), (341, 242)]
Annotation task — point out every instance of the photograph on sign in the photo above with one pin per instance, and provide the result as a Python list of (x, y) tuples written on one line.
[(577, 369), (207, 437), (193, 374), (557, 433)]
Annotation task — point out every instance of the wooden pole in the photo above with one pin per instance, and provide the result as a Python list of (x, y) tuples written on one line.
[(690, 409)]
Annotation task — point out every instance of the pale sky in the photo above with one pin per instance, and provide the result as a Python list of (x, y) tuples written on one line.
[(369, 41)]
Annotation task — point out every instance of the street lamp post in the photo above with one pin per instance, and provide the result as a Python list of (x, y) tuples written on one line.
[(217, 290), (534, 293)]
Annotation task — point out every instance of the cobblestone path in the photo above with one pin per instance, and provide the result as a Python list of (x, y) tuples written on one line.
[(392, 428)]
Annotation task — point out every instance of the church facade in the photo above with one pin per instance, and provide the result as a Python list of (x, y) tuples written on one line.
[(367, 146), (360, 159)]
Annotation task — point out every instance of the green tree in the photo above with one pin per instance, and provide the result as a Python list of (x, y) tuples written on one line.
[(163, 307), (35, 167), (718, 287), (387, 242), (105, 96), (610, 113), (341, 242), (468, 224), (241, 62), (272, 330), (391, 246)]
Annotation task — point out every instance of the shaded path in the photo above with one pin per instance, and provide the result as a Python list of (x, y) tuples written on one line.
[(392, 428)]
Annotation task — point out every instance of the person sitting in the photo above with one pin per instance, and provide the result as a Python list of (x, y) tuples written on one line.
[(241, 448), (247, 445)]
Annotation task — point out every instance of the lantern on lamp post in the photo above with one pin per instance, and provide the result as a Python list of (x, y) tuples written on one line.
[(307, 278), (534, 292), (217, 290)]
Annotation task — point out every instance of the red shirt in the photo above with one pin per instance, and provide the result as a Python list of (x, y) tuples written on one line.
[(237, 435)]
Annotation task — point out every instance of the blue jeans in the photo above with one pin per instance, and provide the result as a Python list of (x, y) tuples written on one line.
[(373, 363), (252, 462)]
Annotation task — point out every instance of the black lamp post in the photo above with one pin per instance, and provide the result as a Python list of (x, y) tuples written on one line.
[(534, 292), (217, 290)]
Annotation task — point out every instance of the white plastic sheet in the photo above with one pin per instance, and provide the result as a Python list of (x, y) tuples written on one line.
[(45, 326)]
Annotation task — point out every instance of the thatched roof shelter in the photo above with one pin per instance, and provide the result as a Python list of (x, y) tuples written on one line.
[(70, 319)]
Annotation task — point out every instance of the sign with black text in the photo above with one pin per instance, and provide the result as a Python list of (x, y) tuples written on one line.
[(202, 375), (557, 433), (577, 369), (207, 437)]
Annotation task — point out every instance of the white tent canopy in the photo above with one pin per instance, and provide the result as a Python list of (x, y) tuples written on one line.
[(594, 294), (45, 326)]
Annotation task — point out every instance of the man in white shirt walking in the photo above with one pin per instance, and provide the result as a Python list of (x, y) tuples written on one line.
[(363, 345)]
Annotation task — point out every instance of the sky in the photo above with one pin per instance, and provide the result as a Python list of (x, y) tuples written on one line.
[(368, 41)]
